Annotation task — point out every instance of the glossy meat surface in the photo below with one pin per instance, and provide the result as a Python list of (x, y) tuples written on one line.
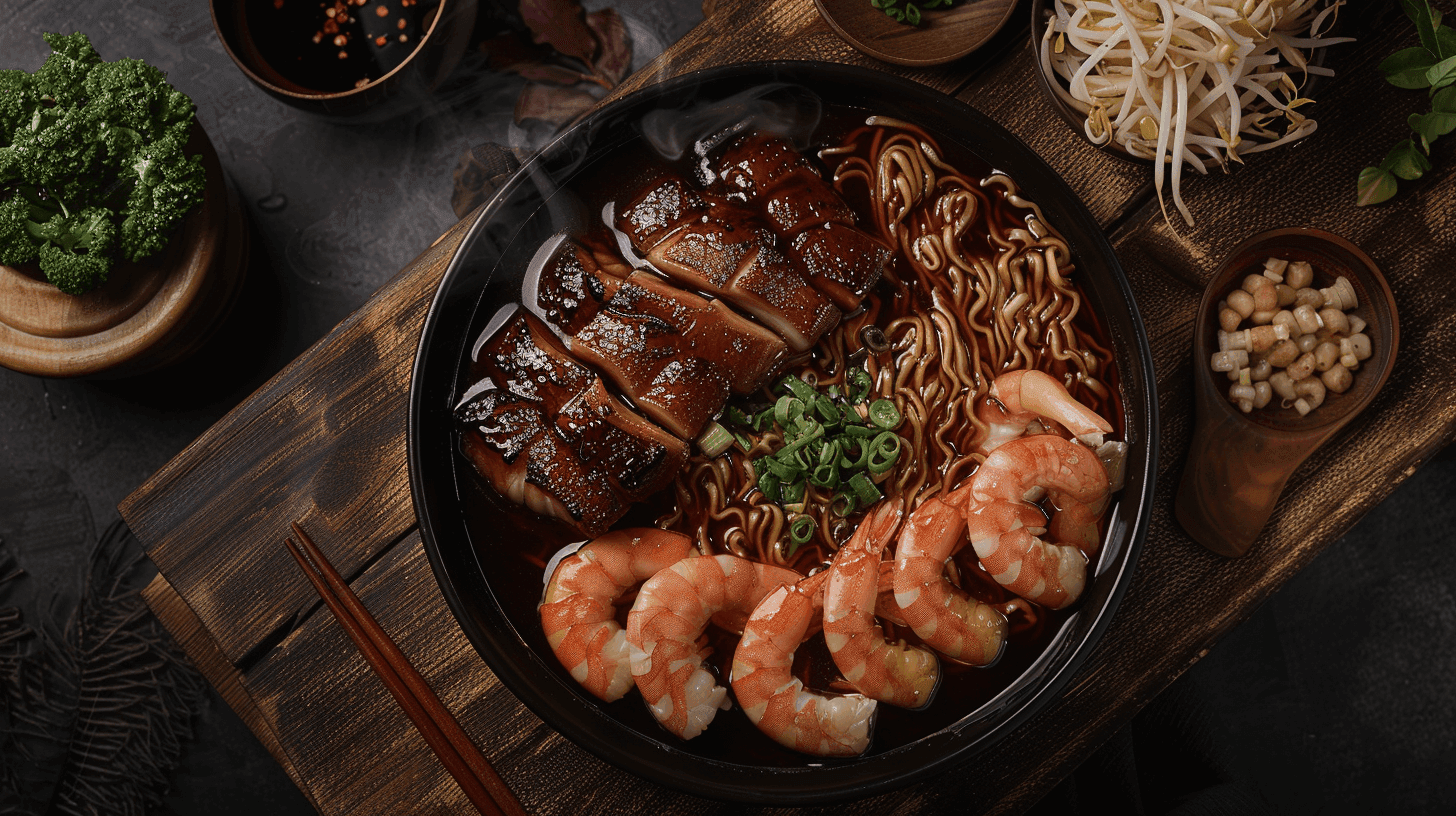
[(575, 418), (677, 356), (815, 224), (566, 284), (511, 443), (726, 250)]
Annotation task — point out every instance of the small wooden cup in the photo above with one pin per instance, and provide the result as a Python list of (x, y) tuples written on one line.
[(147, 314), (944, 35), (1238, 463)]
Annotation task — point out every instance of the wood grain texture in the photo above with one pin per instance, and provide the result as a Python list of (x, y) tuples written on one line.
[(941, 36), (324, 436), (325, 439)]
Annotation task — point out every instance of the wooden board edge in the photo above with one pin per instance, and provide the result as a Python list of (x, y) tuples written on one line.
[(207, 657)]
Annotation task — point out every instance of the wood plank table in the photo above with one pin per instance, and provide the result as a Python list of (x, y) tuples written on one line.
[(324, 441)]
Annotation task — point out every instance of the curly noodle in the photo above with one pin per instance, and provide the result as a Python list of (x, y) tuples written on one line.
[(981, 285)]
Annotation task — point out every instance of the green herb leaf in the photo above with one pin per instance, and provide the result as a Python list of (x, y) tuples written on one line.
[(1406, 161), (912, 14), (899, 17), (1426, 20), (1431, 125), (1446, 39), (1442, 73), (1375, 185), (1444, 101), (1407, 68)]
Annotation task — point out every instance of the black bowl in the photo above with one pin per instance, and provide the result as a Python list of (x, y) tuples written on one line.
[(461, 527)]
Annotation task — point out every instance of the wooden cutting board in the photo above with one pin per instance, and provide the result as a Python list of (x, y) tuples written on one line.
[(324, 442)]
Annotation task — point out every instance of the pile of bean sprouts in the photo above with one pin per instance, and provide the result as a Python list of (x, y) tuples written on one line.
[(982, 285), (1183, 82)]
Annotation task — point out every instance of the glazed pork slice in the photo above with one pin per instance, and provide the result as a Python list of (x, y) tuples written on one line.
[(676, 355), (728, 252), (512, 444), (524, 357), (667, 204), (815, 223), (566, 285)]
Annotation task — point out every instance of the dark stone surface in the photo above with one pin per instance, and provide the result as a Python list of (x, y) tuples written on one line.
[(338, 209)]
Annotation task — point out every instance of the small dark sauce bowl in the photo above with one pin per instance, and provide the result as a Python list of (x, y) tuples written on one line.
[(435, 54)]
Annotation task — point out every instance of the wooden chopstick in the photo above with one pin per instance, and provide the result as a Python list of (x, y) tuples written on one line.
[(486, 790)]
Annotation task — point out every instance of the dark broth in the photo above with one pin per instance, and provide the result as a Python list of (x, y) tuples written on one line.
[(514, 545), (329, 46)]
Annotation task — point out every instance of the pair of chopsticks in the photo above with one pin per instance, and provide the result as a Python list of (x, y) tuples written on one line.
[(487, 791)]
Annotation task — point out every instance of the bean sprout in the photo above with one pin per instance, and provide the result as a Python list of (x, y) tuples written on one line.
[(1182, 82)]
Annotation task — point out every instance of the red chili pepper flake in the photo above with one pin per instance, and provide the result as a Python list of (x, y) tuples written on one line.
[(278, 4), (403, 38), (380, 40), (381, 11), (331, 27), (318, 36), (401, 24), (343, 55), (341, 40)]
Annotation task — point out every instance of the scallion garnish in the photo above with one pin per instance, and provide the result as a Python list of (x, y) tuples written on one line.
[(884, 414), (714, 440)]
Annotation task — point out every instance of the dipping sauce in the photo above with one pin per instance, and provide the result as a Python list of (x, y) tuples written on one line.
[(330, 46)]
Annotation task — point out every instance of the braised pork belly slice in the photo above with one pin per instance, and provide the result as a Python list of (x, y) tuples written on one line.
[(515, 447), (808, 215), (752, 164), (677, 356), (566, 285), (525, 358), (728, 252), (842, 262), (667, 204), (802, 200)]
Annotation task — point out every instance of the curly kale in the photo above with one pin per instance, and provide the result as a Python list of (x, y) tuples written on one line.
[(93, 165)]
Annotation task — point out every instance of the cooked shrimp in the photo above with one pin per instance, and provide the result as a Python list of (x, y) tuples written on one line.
[(577, 611), (947, 619), (1007, 530), (666, 622), (1029, 395), (897, 674), (774, 699)]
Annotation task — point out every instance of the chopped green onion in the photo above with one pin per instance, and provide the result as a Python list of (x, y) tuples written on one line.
[(786, 410), (799, 388), (801, 529), (828, 412), (883, 452), (714, 440), (734, 416), (744, 443), (884, 414), (861, 431), (794, 493), (843, 504), (864, 489), (825, 475), (763, 420), (858, 381), (768, 484)]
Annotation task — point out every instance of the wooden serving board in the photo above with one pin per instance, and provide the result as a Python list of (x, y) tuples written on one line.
[(324, 442)]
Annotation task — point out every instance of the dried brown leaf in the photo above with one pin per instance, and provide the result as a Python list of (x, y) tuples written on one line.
[(560, 24), (507, 52), (614, 54), (551, 103), (479, 174)]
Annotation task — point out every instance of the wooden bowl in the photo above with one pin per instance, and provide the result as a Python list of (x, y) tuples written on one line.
[(1238, 463), (433, 58), (1053, 87), (943, 36), (147, 314)]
